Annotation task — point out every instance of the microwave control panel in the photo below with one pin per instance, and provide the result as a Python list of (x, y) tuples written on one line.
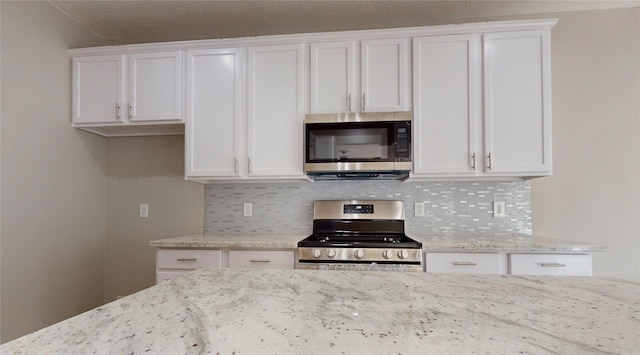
[(402, 141)]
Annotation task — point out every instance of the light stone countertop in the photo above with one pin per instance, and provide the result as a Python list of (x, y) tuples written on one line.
[(429, 243), (224, 241), (240, 311)]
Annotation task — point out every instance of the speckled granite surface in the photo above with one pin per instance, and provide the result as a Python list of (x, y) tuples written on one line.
[(237, 311), (230, 241), (433, 243)]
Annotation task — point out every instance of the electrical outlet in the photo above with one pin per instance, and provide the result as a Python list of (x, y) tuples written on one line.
[(419, 209), (499, 209), (247, 209), (144, 210)]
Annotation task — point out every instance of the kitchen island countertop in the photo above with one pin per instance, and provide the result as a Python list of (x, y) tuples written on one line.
[(429, 243), (239, 311)]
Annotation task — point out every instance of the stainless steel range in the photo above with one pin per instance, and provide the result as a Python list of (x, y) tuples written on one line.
[(359, 235)]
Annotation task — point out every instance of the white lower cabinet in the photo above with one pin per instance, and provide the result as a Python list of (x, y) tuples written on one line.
[(551, 264), (262, 259), (171, 263), (498, 263), (465, 263)]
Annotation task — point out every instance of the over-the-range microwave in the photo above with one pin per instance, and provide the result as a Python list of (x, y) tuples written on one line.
[(358, 145)]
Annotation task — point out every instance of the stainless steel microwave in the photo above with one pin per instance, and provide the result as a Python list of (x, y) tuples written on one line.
[(358, 145)]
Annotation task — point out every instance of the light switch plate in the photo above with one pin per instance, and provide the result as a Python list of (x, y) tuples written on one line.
[(247, 209), (499, 209), (419, 209), (144, 210)]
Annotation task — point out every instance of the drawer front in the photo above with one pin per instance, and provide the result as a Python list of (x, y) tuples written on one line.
[(262, 259), (465, 263), (162, 276), (188, 259), (551, 264)]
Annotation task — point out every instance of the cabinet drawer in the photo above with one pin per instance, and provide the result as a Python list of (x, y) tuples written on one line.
[(188, 259), (261, 259), (465, 263), (162, 276), (551, 264)]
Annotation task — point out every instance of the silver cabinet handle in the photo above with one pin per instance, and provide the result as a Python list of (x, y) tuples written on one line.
[(187, 259), (236, 166), (260, 260), (489, 158), (465, 263), (349, 102), (130, 111), (118, 111), (473, 161), (364, 102), (250, 166), (553, 265)]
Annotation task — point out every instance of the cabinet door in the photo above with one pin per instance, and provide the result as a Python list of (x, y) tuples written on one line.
[(446, 96), (551, 264), (214, 113), (188, 259), (517, 102), (332, 77), (384, 75), (262, 259), (155, 86), (275, 110), (98, 89), (465, 263)]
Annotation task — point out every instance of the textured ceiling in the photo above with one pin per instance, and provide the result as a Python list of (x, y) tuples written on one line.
[(124, 22)]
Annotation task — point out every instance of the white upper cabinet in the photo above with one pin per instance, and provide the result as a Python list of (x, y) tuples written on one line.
[(332, 77), (385, 72), (480, 96), (275, 111), (446, 95), (482, 105), (155, 86), (517, 103), (377, 82), (214, 113), (112, 98), (98, 90)]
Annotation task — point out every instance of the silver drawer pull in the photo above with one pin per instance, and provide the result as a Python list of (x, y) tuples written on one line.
[(260, 260), (464, 263), (553, 265), (187, 259)]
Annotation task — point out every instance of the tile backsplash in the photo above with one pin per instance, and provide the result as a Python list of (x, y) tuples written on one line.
[(459, 208)]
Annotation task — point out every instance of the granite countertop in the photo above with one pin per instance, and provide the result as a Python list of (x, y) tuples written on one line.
[(240, 311), (277, 241), (429, 243)]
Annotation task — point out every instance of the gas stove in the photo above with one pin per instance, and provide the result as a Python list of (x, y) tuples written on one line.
[(358, 233)]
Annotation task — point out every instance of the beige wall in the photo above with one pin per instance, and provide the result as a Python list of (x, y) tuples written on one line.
[(145, 170), (594, 193), (53, 199)]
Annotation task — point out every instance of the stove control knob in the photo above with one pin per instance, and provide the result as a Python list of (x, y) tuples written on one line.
[(359, 253), (331, 253), (387, 254), (316, 253), (403, 254)]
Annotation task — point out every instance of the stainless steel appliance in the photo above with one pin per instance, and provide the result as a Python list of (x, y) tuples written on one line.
[(358, 145), (359, 235)]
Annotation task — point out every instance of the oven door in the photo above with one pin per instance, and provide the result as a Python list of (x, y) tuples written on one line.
[(358, 146)]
